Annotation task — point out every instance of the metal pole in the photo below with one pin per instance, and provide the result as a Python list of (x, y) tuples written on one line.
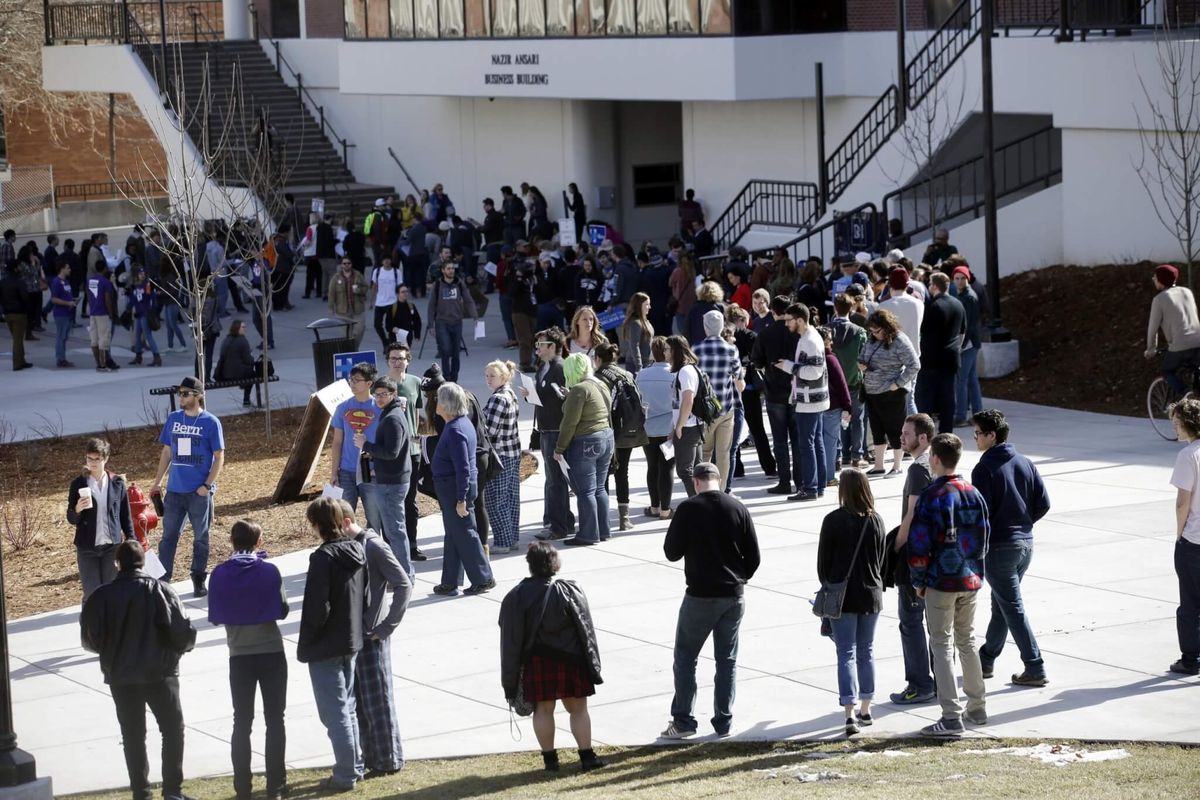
[(46, 21), (124, 21), (996, 330), (16, 766), (1064, 21), (902, 62), (300, 90), (162, 22), (823, 175)]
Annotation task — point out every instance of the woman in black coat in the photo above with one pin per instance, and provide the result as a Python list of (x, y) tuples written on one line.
[(548, 648), (837, 560), (236, 361)]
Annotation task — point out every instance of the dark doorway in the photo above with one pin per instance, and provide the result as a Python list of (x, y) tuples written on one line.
[(285, 19)]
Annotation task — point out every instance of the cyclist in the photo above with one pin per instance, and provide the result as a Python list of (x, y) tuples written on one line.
[(1173, 310)]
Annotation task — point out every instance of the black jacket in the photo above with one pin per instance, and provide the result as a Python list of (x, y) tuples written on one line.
[(326, 241), (331, 623), (137, 626), (864, 579), (390, 450), (714, 535), (119, 517), (493, 227), (566, 633), (772, 344), (12, 293), (549, 414), (942, 331), (235, 361)]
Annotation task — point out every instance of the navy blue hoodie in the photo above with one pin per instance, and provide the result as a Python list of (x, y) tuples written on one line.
[(1015, 495)]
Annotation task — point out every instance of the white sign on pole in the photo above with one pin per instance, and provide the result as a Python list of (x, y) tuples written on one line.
[(318, 206), (566, 233)]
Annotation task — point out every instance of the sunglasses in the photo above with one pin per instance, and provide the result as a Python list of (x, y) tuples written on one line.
[(187, 393)]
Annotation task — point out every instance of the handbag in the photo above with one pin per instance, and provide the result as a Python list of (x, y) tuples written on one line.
[(829, 599), (521, 706)]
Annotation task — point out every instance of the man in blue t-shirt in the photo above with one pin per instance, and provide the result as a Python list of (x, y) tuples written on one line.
[(359, 413), (194, 451)]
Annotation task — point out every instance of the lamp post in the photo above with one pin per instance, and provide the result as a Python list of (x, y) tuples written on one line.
[(996, 331), (16, 766)]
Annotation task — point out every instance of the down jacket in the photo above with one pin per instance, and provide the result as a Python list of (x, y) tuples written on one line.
[(566, 632)]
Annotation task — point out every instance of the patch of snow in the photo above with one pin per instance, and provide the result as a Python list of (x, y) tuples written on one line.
[(1060, 755)]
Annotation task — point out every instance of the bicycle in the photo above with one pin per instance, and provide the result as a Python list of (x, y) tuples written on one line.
[(1160, 397)]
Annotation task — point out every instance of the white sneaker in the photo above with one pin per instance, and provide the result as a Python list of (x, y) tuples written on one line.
[(673, 731)]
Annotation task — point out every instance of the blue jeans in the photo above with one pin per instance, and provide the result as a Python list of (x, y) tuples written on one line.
[(831, 438), (854, 438), (384, 506), (462, 550), (333, 690), (918, 672), (548, 314), (221, 282), (506, 316), (62, 330), (784, 435), (968, 399), (739, 421), (699, 617), (197, 509), (449, 342), (589, 456), (557, 495), (350, 491), (1005, 566), (810, 458), (854, 635), (143, 335), (171, 314)]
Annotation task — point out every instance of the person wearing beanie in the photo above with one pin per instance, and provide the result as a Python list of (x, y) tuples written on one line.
[(719, 360), (1173, 312), (810, 399)]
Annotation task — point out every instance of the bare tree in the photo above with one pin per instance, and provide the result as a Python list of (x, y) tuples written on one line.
[(926, 130), (1169, 127)]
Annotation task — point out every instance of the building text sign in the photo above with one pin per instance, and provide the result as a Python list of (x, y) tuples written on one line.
[(515, 69)]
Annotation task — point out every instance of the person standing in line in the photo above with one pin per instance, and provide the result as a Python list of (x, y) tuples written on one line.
[(374, 694), (449, 304), (719, 360), (851, 549), (137, 626), (246, 595), (326, 252), (848, 343), (143, 297), (62, 300), (546, 629), (331, 636), (656, 384), (98, 507), (502, 495), (890, 368), (558, 521), (968, 398), (13, 305), (687, 431), (810, 398), (347, 298), (355, 414), (627, 434), (384, 284), (940, 351), (390, 462), (714, 535), (1186, 479), (408, 387), (194, 451), (947, 544), (102, 308), (750, 404), (585, 443), (918, 430), (837, 415), (778, 342), (1016, 499)]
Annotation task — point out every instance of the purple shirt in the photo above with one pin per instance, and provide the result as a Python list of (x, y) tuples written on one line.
[(62, 290), (98, 289)]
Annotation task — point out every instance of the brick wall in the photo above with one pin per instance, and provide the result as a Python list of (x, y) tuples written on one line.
[(880, 15), (324, 19), (81, 156)]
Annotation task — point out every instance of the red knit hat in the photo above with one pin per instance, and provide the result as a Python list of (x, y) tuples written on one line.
[(1167, 275), (962, 269), (898, 279)]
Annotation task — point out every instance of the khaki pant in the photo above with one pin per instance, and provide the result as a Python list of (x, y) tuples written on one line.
[(953, 614), (16, 326), (101, 331), (523, 326), (719, 435)]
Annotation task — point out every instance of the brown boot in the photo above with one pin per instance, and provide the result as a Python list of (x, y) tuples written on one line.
[(157, 362), (100, 367)]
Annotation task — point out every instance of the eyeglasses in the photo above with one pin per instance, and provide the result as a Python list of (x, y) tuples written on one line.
[(383, 395), (980, 433), (187, 393), (397, 358), (544, 344), (95, 459), (358, 379)]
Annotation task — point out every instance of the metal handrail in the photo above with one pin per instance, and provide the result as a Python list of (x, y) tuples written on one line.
[(327, 128), (1049, 169), (105, 21), (794, 204), (867, 137), (947, 44), (209, 32), (399, 164), (72, 192)]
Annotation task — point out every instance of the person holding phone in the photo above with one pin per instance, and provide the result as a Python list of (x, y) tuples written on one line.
[(98, 507)]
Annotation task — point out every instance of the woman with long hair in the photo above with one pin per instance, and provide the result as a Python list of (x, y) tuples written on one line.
[(636, 333), (687, 431), (683, 291), (851, 549), (236, 361), (889, 364), (656, 383), (585, 333), (589, 283), (811, 290), (410, 212), (624, 441)]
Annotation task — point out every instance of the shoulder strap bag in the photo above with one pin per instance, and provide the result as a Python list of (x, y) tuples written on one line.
[(520, 705), (830, 597)]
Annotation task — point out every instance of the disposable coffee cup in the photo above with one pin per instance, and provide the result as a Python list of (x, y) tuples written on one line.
[(85, 494)]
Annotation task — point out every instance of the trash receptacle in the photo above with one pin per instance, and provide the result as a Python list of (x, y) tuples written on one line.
[(338, 339)]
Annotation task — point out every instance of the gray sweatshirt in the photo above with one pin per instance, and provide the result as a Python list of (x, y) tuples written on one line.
[(450, 302), (1174, 311), (383, 572)]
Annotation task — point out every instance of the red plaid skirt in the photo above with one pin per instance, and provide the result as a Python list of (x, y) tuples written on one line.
[(551, 679)]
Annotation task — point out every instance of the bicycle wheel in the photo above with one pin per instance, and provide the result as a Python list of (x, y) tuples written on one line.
[(1157, 399)]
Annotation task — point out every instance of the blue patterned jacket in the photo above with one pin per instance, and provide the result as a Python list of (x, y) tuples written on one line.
[(949, 536)]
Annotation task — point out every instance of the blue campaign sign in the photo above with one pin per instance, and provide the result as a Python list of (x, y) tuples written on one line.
[(611, 319), (597, 234), (343, 362)]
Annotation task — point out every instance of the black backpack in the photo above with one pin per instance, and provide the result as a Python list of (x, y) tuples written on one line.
[(628, 413), (706, 407)]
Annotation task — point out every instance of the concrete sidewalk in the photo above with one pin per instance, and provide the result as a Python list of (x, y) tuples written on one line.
[(1101, 593)]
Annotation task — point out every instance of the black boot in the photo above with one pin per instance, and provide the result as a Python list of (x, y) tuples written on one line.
[(550, 760), (588, 760), (198, 585)]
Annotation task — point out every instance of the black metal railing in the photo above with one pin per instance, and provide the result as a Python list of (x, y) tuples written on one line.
[(523, 19), (941, 51), (183, 21), (317, 110), (862, 143), (1066, 19), (1033, 161), (101, 190), (787, 204)]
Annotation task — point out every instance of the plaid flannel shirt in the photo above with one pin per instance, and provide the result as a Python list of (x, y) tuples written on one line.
[(719, 360), (500, 415)]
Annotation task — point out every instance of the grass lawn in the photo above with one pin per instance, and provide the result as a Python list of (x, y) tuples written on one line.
[(892, 769)]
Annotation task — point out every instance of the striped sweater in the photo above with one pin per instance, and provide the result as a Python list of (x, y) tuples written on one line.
[(810, 377)]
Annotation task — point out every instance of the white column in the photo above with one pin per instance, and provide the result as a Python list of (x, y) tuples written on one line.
[(237, 19)]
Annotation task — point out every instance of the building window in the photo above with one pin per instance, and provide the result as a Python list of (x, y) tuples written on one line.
[(656, 184)]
